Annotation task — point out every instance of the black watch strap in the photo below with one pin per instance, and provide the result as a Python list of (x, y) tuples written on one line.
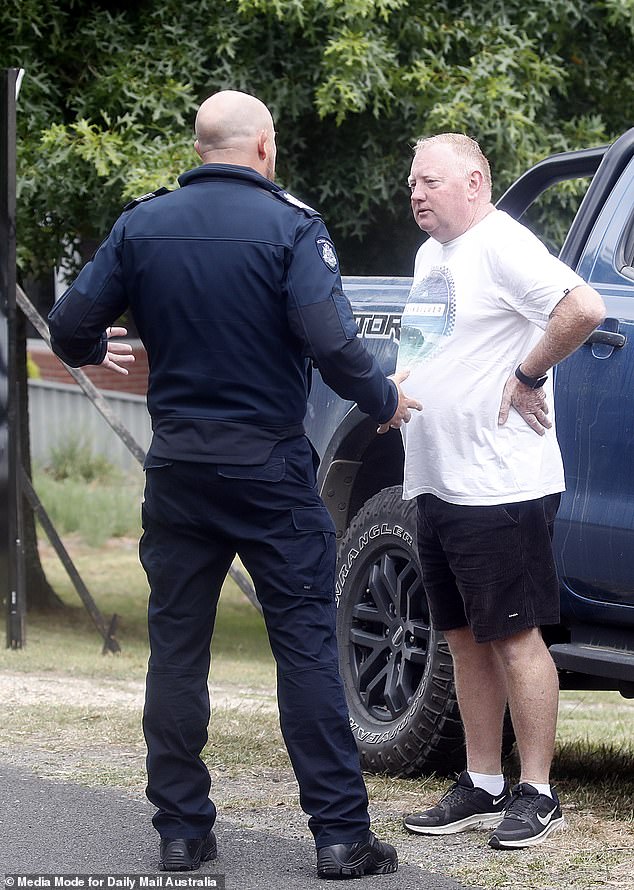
[(533, 382)]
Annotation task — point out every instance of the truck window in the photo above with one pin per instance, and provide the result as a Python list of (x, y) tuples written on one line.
[(553, 211), (625, 253)]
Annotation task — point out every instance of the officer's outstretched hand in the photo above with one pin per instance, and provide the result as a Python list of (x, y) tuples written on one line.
[(118, 354), (403, 413)]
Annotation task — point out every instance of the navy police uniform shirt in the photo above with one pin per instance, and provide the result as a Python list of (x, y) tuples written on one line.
[(234, 286)]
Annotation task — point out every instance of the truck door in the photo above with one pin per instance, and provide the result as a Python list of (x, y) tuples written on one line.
[(594, 398), (594, 387)]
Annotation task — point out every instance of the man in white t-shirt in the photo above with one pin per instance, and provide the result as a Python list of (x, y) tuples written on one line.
[(489, 314)]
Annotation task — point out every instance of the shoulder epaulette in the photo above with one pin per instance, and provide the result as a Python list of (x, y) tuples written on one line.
[(147, 197), (291, 199)]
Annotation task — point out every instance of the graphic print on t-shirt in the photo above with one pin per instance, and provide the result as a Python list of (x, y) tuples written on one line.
[(428, 317)]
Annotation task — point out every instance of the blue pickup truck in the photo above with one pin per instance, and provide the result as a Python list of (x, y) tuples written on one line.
[(396, 667)]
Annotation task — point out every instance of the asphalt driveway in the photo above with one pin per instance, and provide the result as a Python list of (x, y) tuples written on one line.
[(49, 828)]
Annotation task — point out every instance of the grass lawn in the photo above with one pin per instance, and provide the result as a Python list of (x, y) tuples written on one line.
[(91, 733)]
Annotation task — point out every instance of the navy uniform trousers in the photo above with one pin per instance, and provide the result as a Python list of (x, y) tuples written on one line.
[(196, 517)]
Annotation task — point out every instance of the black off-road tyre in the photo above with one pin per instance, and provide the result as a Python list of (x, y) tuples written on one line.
[(396, 668)]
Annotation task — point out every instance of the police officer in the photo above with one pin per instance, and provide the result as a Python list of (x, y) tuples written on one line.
[(234, 287)]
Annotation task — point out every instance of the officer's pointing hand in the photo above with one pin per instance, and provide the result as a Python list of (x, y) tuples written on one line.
[(404, 408), (118, 354)]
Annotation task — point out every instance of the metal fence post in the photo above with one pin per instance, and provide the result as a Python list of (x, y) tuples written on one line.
[(11, 520)]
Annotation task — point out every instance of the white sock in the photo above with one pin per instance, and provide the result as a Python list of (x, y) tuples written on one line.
[(492, 784), (541, 789)]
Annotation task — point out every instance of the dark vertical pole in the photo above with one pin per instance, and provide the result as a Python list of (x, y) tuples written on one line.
[(11, 546)]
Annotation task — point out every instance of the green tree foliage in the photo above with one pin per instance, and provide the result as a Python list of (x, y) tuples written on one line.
[(110, 92)]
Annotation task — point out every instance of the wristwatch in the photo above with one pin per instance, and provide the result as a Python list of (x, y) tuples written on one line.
[(533, 382)]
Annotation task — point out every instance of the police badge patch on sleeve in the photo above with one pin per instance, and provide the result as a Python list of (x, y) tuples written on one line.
[(327, 252)]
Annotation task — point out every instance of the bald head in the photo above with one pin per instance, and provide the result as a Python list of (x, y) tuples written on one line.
[(236, 128)]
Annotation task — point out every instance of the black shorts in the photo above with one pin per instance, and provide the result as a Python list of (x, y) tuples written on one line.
[(490, 568)]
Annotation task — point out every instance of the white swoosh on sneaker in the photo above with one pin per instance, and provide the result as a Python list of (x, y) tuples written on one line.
[(545, 819), (498, 800)]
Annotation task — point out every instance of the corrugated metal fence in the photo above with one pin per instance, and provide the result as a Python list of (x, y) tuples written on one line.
[(59, 412)]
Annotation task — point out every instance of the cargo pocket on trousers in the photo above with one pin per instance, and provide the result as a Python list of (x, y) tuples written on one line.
[(272, 471), (313, 552), (157, 471)]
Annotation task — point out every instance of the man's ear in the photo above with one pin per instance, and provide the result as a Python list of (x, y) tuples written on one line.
[(263, 145), (198, 150), (475, 183)]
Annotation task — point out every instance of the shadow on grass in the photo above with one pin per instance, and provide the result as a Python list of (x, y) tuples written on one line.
[(594, 762), (599, 777)]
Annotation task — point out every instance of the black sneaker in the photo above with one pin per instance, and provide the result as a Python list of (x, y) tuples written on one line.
[(530, 817), (462, 808), (371, 857), (186, 854)]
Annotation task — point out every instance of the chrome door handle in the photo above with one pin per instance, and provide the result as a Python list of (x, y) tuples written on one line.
[(611, 338), (606, 339)]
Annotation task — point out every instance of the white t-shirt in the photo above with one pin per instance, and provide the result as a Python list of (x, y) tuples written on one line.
[(477, 306)]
